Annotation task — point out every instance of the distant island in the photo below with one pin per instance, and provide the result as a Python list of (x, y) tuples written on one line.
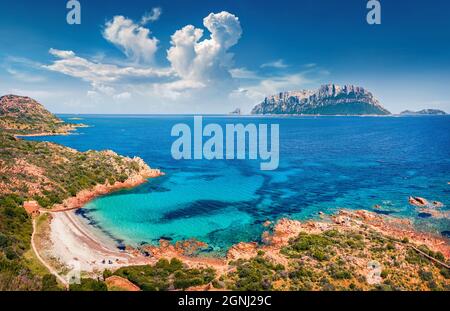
[(423, 112), (330, 99), (236, 111)]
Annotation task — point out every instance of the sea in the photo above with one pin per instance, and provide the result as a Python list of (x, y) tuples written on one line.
[(326, 164)]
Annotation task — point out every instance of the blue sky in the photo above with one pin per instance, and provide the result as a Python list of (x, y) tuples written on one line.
[(235, 53)]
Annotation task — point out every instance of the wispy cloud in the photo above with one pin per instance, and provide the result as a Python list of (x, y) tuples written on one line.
[(244, 73), (279, 64), (100, 74), (151, 16), (25, 76), (310, 65)]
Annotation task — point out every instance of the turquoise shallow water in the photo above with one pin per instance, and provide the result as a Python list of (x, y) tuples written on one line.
[(326, 163)]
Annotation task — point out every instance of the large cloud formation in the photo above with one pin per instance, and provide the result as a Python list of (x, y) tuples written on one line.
[(207, 60), (201, 76)]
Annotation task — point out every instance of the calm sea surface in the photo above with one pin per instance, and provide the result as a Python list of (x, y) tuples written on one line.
[(326, 163)]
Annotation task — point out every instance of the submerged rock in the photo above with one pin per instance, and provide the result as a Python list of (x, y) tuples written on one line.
[(418, 201), (424, 215), (437, 204)]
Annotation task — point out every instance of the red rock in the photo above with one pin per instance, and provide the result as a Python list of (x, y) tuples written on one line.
[(418, 201), (31, 207), (242, 251), (437, 204), (267, 223)]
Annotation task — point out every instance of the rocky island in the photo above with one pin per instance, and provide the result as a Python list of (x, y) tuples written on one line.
[(423, 112), (330, 99)]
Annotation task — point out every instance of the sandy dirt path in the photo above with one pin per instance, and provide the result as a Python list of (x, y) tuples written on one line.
[(50, 269)]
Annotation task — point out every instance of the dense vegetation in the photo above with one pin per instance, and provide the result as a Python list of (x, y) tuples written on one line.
[(15, 233), (336, 260), (88, 285), (49, 173), (166, 275), (23, 115), (332, 260)]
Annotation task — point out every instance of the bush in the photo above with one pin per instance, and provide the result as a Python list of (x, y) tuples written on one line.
[(445, 273), (88, 285), (166, 275), (314, 245), (49, 283), (106, 274), (425, 275), (255, 274), (339, 273)]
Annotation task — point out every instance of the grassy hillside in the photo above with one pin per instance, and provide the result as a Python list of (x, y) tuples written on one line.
[(23, 115), (341, 260), (50, 173)]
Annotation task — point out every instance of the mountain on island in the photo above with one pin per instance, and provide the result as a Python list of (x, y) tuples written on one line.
[(423, 112), (330, 99)]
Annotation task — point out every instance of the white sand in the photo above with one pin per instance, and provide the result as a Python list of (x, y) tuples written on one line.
[(76, 244)]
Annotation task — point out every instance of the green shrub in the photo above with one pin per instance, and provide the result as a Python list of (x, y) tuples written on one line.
[(49, 283), (88, 285), (425, 275), (165, 275)]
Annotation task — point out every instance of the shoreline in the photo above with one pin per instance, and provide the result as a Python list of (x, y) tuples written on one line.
[(75, 244), (65, 132), (85, 196), (72, 239)]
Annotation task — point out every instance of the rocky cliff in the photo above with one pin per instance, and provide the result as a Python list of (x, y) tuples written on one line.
[(329, 99)]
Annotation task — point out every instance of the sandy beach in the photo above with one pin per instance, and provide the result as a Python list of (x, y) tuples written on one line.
[(68, 242), (72, 241)]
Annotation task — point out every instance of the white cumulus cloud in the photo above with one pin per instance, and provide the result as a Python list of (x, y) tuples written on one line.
[(134, 40), (207, 60)]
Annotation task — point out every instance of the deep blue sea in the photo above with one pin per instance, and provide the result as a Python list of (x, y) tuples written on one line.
[(326, 163)]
